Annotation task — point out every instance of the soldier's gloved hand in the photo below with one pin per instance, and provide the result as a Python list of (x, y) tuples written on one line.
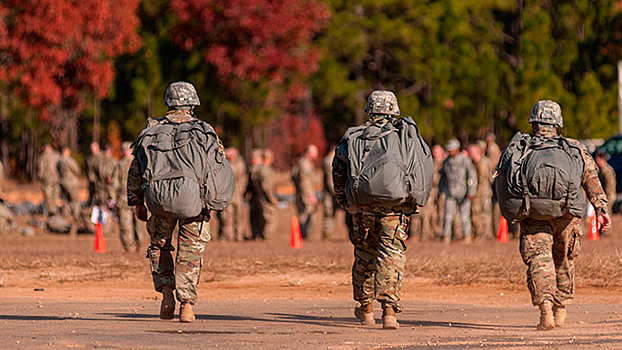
[(604, 222), (141, 212)]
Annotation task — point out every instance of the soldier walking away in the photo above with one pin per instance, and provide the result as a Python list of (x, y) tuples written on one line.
[(329, 200), (306, 201), (607, 177), (459, 183), (550, 224), (180, 173), (260, 193), (48, 175), (481, 206), (233, 218), (379, 199), (93, 162), (131, 230), (69, 173)]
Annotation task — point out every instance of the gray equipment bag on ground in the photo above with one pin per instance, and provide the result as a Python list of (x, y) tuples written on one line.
[(389, 165), (540, 178), (184, 169)]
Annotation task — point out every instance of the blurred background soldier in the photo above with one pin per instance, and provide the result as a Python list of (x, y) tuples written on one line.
[(269, 187), (458, 182), (426, 225), (92, 165), (481, 206), (329, 200), (48, 175), (104, 185), (493, 152), (607, 177), (233, 218), (260, 192), (306, 201), (131, 230), (69, 173)]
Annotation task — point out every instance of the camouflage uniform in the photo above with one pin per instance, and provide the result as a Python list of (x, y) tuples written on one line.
[(104, 184), (329, 200), (48, 175), (425, 224), (481, 206), (232, 219), (184, 274), (132, 230), (263, 201), (69, 173), (458, 180), (379, 238), (607, 177), (548, 248), (302, 175)]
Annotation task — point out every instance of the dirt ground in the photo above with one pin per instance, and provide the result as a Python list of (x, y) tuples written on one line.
[(57, 293)]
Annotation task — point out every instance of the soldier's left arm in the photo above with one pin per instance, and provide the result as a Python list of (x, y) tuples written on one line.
[(590, 182), (340, 175), (135, 195)]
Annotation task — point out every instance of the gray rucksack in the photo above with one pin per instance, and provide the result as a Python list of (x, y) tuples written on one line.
[(184, 169), (387, 166), (540, 178)]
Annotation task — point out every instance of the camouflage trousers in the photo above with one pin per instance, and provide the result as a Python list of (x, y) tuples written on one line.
[(481, 212), (184, 274), (263, 220), (51, 193), (548, 248), (330, 211), (379, 245), (305, 218), (464, 206), (232, 221), (131, 230)]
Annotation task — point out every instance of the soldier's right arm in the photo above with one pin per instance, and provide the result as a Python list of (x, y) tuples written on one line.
[(340, 174), (135, 195)]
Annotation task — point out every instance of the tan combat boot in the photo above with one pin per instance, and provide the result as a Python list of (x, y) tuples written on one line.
[(365, 313), (446, 240), (186, 314), (167, 308), (560, 315), (389, 319), (547, 321)]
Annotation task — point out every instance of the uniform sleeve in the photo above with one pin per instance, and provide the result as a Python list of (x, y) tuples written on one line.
[(340, 174), (591, 184), (74, 167), (471, 177), (135, 193), (267, 185)]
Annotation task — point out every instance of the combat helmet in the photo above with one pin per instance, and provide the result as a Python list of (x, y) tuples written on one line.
[(181, 93), (547, 112), (382, 102)]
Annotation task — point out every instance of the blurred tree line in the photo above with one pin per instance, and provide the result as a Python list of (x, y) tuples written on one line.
[(285, 73)]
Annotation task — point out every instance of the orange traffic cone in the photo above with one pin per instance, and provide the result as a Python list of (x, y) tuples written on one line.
[(100, 240), (594, 235), (295, 237), (502, 235)]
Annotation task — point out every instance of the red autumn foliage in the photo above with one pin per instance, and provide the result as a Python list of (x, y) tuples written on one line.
[(55, 50), (265, 42)]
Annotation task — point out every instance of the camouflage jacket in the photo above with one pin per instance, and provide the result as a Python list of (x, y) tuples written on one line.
[(302, 175), (484, 177), (92, 166), (260, 186), (590, 182), (68, 171), (120, 182), (458, 177), (48, 167), (241, 179)]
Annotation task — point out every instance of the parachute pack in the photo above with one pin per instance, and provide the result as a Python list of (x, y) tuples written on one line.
[(184, 169), (540, 178), (388, 165)]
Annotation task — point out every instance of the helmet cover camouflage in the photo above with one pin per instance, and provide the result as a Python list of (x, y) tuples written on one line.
[(181, 93), (382, 102), (547, 112)]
